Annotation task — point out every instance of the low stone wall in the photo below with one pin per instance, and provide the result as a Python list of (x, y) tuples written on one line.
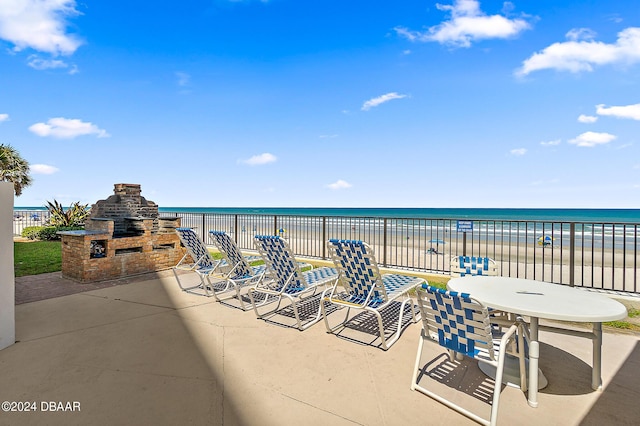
[(94, 255)]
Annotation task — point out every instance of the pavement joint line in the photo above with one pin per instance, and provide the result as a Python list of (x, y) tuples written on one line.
[(223, 373), (320, 409), (143, 373), (93, 326), (376, 392)]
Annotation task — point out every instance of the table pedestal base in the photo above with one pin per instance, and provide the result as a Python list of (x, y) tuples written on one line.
[(511, 374)]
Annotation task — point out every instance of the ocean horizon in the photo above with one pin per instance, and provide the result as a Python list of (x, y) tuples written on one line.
[(537, 214), (516, 214)]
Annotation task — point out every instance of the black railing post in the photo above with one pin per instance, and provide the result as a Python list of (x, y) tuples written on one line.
[(275, 225), (203, 230), (572, 253), (235, 228), (384, 242), (324, 238), (464, 243)]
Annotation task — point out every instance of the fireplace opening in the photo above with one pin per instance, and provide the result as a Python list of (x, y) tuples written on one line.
[(128, 250)]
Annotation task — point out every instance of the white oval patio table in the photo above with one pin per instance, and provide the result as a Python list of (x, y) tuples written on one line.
[(538, 299)]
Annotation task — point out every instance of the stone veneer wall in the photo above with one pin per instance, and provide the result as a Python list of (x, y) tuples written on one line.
[(122, 256), (133, 239), (125, 202)]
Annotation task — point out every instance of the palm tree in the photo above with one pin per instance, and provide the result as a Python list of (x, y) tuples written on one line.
[(14, 168)]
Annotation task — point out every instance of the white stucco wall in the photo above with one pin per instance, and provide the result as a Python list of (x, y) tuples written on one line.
[(7, 282)]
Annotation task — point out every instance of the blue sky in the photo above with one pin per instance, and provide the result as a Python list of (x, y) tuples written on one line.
[(291, 103)]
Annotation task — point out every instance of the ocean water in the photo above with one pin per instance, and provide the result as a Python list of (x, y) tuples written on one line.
[(541, 215), (544, 215), (604, 227)]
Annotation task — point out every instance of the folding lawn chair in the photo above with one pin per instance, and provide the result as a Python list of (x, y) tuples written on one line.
[(203, 263), (470, 265), (284, 280), (238, 273), (366, 289), (461, 325)]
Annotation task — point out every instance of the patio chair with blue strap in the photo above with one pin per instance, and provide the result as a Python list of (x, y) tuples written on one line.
[(462, 266), (237, 274), (285, 280), (469, 266), (461, 325), (203, 263), (366, 290)]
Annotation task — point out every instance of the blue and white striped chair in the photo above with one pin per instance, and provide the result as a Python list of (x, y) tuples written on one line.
[(237, 272), (284, 279), (462, 266), (365, 289), (461, 325), (203, 263)]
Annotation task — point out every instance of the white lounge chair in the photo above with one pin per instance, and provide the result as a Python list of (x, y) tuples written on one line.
[(365, 289), (237, 273), (284, 280), (202, 262)]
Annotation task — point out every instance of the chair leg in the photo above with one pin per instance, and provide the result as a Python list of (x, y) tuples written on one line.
[(500, 372), (385, 346), (338, 325), (188, 289), (416, 368)]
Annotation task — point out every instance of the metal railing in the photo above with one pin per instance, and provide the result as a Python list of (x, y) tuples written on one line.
[(594, 255)]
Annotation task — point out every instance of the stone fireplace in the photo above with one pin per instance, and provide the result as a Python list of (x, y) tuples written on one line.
[(123, 236)]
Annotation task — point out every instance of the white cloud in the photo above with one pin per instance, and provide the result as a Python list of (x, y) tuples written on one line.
[(628, 111), (67, 128), (4, 117), (591, 139), (43, 169), (374, 102), (40, 25), (576, 34), (467, 24), (583, 55), (339, 184), (551, 143), (260, 159), (328, 136), (518, 151), (587, 118), (545, 182), (183, 78), (45, 64)]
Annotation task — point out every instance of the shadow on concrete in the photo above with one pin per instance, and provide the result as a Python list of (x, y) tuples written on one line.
[(362, 327), (127, 356), (567, 374), (621, 395)]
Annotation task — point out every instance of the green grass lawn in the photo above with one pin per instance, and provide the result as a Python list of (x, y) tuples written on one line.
[(37, 257)]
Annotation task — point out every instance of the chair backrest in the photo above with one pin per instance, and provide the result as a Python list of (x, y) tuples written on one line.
[(280, 262), (195, 247), (358, 269), (470, 265), (231, 253), (461, 323)]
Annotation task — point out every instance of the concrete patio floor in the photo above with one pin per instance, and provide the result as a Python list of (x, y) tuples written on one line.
[(140, 351)]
